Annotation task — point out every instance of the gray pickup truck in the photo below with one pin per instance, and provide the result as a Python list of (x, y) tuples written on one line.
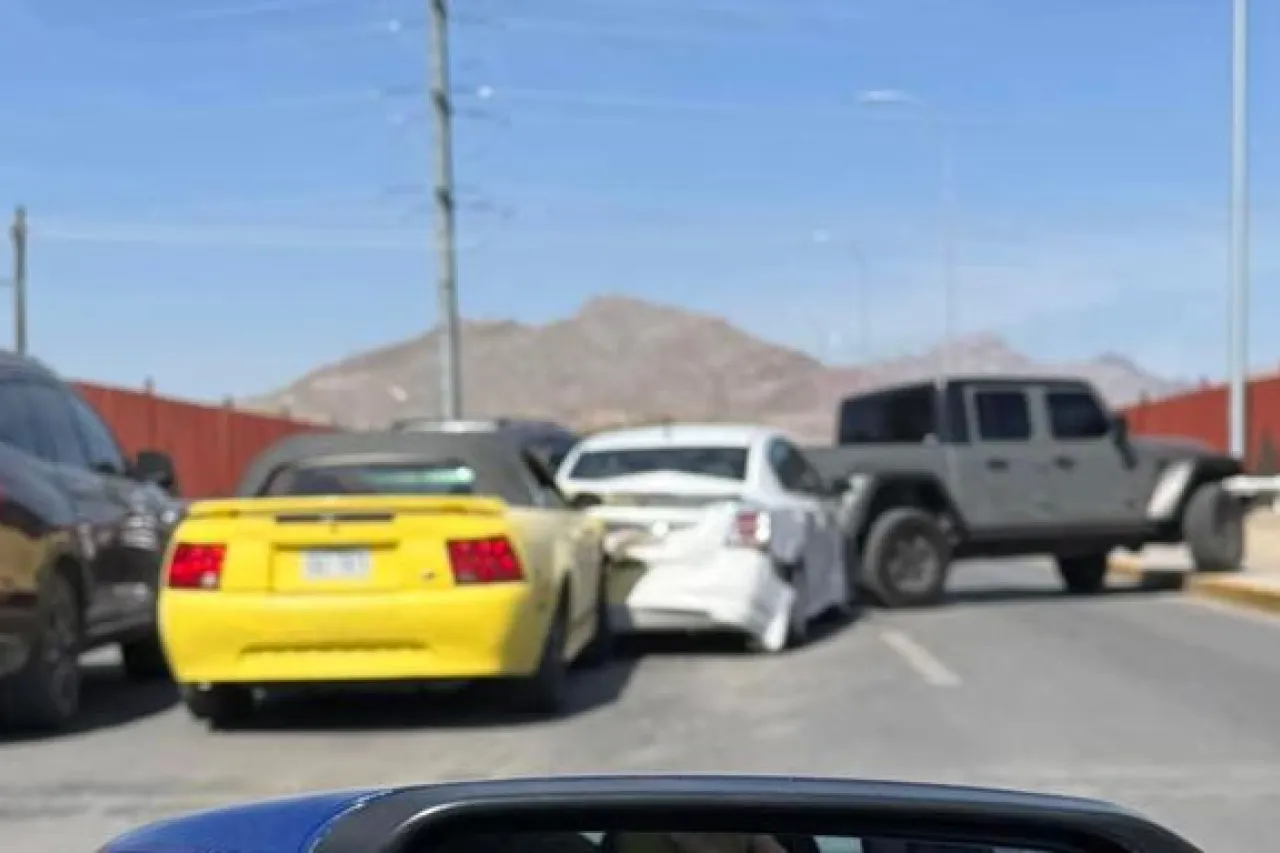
[(1001, 467)]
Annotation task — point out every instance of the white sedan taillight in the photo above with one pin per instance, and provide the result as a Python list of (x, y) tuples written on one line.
[(751, 528)]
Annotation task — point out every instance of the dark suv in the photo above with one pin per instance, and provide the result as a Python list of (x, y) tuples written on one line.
[(82, 531)]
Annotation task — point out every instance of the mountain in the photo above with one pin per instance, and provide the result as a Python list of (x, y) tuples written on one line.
[(621, 360)]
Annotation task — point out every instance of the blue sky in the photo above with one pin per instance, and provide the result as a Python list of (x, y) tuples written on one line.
[(226, 193)]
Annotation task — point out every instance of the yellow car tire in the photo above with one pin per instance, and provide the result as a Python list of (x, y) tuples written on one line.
[(545, 692), (143, 659), (600, 650), (222, 706)]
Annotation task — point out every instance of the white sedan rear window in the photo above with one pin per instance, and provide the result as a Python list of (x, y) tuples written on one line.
[(727, 463)]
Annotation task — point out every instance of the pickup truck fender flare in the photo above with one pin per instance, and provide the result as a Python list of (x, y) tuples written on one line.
[(1179, 480), (870, 494)]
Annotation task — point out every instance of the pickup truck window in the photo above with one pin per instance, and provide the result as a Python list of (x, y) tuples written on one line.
[(1076, 415), (1002, 415), (903, 416)]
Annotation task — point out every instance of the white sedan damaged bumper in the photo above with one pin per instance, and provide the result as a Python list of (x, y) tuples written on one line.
[(681, 585)]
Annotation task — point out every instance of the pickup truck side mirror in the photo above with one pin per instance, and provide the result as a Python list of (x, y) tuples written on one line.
[(1119, 427)]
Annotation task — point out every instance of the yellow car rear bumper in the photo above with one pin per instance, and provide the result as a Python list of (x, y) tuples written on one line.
[(456, 634)]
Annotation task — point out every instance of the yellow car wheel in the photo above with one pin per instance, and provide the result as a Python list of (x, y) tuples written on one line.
[(545, 691), (600, 651), (222, 706), (144, 659)]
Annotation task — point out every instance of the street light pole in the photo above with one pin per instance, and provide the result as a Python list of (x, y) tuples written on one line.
[(18, 234), (1238, 309)]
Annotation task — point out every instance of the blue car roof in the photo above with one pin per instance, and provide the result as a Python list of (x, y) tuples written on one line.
[(279, 826), (358, 821)]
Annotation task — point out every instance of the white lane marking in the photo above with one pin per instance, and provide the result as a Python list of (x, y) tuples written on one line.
[(933, 671)]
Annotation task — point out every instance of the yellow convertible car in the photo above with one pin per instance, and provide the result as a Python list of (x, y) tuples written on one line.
[(367, 557)]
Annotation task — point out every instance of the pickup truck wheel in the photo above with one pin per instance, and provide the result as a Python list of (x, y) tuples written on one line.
[(1213, 529), (45, 693), (1083, 575), (222, 706), (907, 558), (144, 659)]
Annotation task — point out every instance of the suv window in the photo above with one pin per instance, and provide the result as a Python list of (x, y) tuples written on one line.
[(100, 445), (55, 426), (1002, 415), (792, 469), (904, 416), (1076, 415), (17, 423)]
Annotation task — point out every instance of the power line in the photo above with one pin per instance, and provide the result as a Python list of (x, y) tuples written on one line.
[(622, 32), (74, 114), (730, 11), (249, 10), (242, 236)]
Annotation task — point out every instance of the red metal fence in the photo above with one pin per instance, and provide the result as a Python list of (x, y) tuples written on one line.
[(1202, 414), (210, 445)]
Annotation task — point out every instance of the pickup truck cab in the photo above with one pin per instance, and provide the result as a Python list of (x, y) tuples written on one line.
[(980, 466)]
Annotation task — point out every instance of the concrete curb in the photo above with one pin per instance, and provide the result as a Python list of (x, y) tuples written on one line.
[(1232, 589), (1126, 565)]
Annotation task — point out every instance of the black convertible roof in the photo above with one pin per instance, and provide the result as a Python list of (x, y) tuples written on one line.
[(500, 467)]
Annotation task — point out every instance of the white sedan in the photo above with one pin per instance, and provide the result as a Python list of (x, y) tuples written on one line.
[(713, 528)]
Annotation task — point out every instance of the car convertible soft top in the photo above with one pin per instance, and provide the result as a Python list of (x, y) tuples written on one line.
[(502, 468)]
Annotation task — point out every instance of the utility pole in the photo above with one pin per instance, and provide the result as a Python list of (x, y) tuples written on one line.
[(450, 346), (1238, 310), (19, 235)]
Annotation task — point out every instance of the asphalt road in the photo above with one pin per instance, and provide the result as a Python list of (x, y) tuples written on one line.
[(1159, 702)]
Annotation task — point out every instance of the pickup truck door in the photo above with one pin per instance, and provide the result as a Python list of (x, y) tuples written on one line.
[(1091, 475), (1003, 472)]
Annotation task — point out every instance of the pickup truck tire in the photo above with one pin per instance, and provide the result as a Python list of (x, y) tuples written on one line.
[(907, 558), (1084, 574), (45, 693), (1213, 529)]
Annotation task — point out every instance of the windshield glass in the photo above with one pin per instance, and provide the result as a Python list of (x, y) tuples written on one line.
[(401, 478), (728, 463)]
